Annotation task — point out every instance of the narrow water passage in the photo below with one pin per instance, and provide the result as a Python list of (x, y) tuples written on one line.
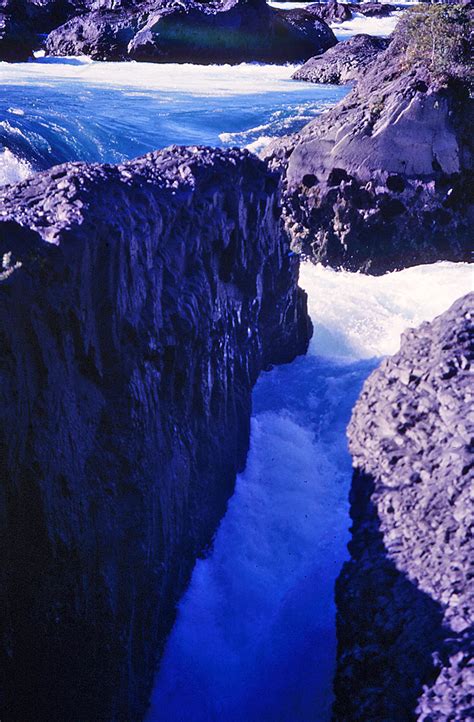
[(255, 636)]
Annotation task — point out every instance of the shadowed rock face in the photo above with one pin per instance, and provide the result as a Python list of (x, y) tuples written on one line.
[(344, 62), (16, 41), (383, 180), (149, 297), (406, 599), (232, 31)]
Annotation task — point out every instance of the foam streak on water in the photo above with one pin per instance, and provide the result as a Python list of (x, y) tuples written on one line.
[(254, 640)]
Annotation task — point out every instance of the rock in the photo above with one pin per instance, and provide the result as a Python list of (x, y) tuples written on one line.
[(383, 180), (101, 35), (233, 31), (332, 11), (405, 600), (373, 10), (138, 304), (41, 16), (344, 62), (16, 41)]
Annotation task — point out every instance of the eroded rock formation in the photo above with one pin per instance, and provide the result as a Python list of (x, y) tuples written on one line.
[(138, 304), (406, 599), (384, 179), (343, 63)]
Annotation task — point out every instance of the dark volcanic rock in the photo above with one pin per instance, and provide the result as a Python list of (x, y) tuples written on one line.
[(233, 31), (342, 63), (102, 35), (384, 180), (149, 297), (373, 10), (16, 41), (331, 12), (406, 599)]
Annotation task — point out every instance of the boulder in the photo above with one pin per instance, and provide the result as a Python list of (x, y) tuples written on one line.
[(373, 9), (233, 32), (332, 11), (383, 180), (344, 62), (138, 304), (101, 35), (405, 600)]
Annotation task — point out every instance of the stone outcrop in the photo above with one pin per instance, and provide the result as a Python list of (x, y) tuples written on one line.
[(344, 62), (384, 179), (405, 600), (232, 31), (138, 304), (332, 11), (336, 12)]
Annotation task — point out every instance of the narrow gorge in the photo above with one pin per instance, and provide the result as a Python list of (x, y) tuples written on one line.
[(138, 305), (236, 345)]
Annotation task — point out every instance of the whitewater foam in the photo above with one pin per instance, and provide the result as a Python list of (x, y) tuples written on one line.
[(210, 80), (255, 638), (13, 169), (380, 27)]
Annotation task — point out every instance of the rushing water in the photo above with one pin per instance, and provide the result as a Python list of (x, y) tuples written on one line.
[(255, 638), (53, 110)]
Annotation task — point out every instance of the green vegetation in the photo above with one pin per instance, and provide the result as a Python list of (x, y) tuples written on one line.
[(440, 38)]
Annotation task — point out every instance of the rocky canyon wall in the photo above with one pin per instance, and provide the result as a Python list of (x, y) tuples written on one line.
[(406, 598), (138, 304)]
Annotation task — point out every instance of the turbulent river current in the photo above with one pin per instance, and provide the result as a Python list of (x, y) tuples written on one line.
[(56, 110), (255, 635)]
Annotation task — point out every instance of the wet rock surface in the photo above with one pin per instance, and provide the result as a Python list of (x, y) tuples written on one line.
[(138, 304), (406, 598), (344, 62), (233, 31), (384, 179)]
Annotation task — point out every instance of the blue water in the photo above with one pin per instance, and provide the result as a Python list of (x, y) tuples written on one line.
[(72, 109), (255, 639)]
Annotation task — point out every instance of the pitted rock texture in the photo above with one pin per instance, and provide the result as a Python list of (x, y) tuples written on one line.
[(231, 31), (138, 304), (344, 62), (406, 599), (384, 179)]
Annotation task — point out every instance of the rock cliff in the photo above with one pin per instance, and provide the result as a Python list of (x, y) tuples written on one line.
[(384, 179), (138, 304), (406, 598)]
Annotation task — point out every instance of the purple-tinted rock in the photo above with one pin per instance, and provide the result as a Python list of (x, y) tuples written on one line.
[(17, 43), (406, 599), (138, 304), (344, 62), (234, 31), (392, 168)]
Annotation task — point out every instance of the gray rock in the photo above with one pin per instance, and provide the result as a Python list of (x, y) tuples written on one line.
[(138, 304), (344, 62), (406, 598), (384, 179)]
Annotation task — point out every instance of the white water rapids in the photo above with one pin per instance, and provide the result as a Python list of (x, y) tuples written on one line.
[(255, 636)]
